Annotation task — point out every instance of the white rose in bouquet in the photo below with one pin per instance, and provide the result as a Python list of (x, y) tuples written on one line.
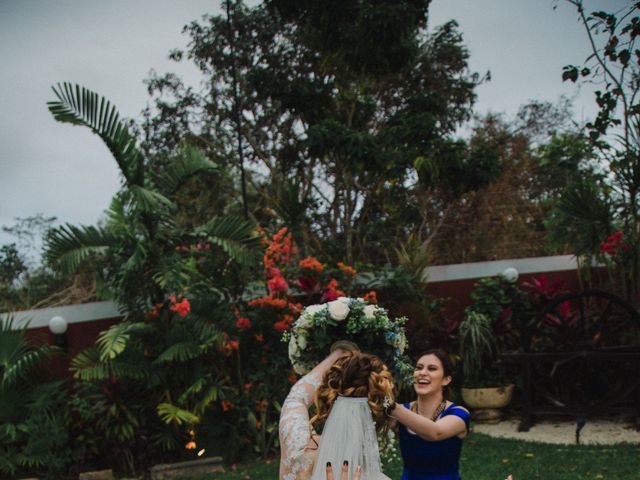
[(338, 310), (302, 342), (313, 309), (369, 312)]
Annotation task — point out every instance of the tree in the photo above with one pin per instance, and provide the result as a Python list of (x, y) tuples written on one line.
[(591, 211), (333, 124), (138, 242)]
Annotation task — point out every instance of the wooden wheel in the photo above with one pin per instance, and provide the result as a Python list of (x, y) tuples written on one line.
[(588, 320)]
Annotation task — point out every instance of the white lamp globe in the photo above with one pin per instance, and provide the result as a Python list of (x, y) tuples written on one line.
[(57, 325), (510, 275)]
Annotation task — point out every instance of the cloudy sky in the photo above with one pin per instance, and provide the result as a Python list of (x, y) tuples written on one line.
[(111, 45)]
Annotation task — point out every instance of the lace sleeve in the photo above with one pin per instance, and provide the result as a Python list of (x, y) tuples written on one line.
[(294, 428)]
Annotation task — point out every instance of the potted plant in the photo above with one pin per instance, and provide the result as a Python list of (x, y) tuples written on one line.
[(488, 329)]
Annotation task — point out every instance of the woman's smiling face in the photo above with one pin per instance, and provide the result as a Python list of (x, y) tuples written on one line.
[(429, 376)]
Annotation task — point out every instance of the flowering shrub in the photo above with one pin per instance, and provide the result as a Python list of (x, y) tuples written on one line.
[(352, 319)]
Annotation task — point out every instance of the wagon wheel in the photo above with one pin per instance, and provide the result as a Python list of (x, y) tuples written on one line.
[(592, 320)]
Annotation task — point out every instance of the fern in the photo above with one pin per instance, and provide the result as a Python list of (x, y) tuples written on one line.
[(172, 414)]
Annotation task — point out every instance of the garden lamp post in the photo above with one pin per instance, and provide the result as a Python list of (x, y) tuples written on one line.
[(58, 326), (510, 275)]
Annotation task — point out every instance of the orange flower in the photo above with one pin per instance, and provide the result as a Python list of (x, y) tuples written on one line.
[(288, 319), (190, 445), (311, 263), (259, 337), (371, 297), (347, 270), (258, 424), (226, 405), (269, 302)]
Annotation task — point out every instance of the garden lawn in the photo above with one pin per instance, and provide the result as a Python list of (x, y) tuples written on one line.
[(486, 458)]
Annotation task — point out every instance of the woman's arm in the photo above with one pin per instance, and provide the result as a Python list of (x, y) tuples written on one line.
[(446, 427), (294, 429)]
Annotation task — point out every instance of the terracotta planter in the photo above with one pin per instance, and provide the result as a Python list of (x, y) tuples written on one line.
[(486, 402)]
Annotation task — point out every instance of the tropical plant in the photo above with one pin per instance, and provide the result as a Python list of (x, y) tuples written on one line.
[(154, 375), (492, 325), (589, 212), (33, 414), (138, 242)]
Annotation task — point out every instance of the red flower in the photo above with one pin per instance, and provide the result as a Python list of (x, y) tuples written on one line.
[(243, 324), (234, 344), (183, 308), (308, 285), (280, 326), (278, 285), (272, 272), (248, 386), (259, 337), (226, 405), (190, 445)]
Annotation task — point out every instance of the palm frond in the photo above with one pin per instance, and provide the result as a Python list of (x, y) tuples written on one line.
[(68, 246), (212, 394), (148, 200), (88, 366), (179, 352), (79, 106), (172, 414), (113, 342), (190, 161), (25, 364), (236, 236)]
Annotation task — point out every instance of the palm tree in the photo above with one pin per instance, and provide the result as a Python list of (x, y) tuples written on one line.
[(160, 372), (28, 407), (140, 237)]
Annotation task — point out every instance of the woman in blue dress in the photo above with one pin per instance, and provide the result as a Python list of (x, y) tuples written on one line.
[(431, 428)]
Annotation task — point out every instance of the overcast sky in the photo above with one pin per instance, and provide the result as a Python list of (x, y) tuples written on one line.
[(111, 45)]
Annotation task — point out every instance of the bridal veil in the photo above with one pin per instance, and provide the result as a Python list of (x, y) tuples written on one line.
[(349, 434)]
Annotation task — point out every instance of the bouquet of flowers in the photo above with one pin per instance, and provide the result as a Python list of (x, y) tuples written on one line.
[(348, 319)]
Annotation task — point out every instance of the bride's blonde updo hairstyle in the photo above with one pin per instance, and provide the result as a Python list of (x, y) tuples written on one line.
[(355, 374)]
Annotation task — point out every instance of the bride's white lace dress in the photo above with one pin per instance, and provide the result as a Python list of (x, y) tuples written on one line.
[(296, 461)]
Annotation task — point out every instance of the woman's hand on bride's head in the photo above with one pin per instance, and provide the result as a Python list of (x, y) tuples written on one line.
[(344, 472)]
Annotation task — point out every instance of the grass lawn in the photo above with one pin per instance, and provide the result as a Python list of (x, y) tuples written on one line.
[(486, 458)]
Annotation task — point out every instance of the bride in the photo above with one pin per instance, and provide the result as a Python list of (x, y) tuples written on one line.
[(349, 389)]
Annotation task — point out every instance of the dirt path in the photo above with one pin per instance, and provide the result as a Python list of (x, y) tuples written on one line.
[(604, 432)]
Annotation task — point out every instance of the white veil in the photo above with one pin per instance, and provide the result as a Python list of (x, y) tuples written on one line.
[(349, 434)]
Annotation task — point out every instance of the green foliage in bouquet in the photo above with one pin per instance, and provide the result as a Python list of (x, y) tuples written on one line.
[(352, 319)]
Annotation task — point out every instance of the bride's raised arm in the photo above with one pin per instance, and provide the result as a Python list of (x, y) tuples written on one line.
[(295, 434)]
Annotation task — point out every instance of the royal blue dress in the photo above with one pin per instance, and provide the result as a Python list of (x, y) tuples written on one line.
[(425, 460)]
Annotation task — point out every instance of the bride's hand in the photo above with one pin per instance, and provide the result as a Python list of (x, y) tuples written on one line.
[(344, 472)]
